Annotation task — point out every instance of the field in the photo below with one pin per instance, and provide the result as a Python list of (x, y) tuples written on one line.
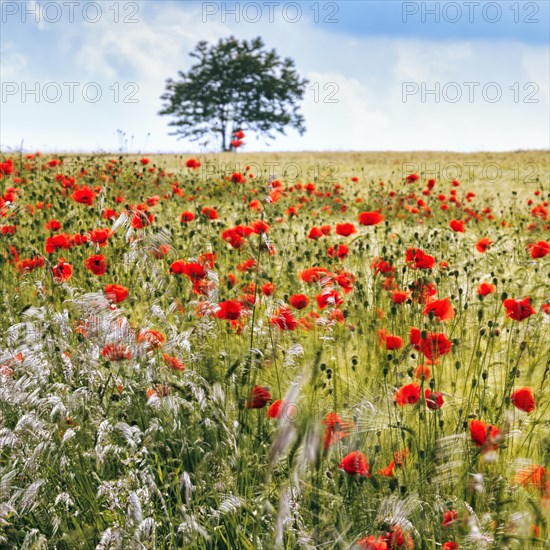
[(291, 350)]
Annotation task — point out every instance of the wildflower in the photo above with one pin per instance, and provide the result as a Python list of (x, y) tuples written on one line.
[(116, 352), (523, 399), (192, 163), (96, 264), (84, 195), (152, 338), (539, 250), (229, 310), (355, 463), (173, 362), (345, 229), (483, 244), (457, 226), (409, 394), (258, 398), (186, 217), (281, 409), (484, 435), (372, 543), (418, 259), (485, 288), (336, 429), (299, 301), (450, 517), (442, 309), (370, 218), (519, 309), (434, 399), (63, 271), (284, 319)]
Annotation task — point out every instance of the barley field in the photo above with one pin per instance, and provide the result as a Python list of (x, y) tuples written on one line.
[(275, 351)]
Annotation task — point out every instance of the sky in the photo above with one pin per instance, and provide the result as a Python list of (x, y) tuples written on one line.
[(383, 75)]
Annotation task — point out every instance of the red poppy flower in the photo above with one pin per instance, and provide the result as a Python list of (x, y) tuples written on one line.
[(299, 301), (483, 244), (315, 233), (258, 398), (100, 236), (450, 545), (523, 399), (370, 218), (63, 271), (239, 134), (142, 219), (519, 309), (116, 352), (372, 543), (284, 319), (435, 345), (399, 296), (314, 274), (173, 362), (247, 265), (336, 429), (422, 292), (62, 240), (154, 339), (389, 341), (259, 227), (484, 435), (209, 213), (412, 177), (382, 266), (408, 394), (281, 409), (457, 226), (345, 229), (84, 195), (442, 309), (449, 518), (398, 539), (192, 163), (116, 293), (186, 217), (340, 252), (485, 288), (192, 270), (328, 297), (96, 264), (418, 259), (229, 310), (539, 250), (423, 371), (53, 225), (434, 399), (268, 289), (355, 463)]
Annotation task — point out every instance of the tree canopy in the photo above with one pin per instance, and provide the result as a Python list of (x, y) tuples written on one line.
[(235, 85)]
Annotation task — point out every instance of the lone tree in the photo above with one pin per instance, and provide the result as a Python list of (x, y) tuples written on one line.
[(235, 85)]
